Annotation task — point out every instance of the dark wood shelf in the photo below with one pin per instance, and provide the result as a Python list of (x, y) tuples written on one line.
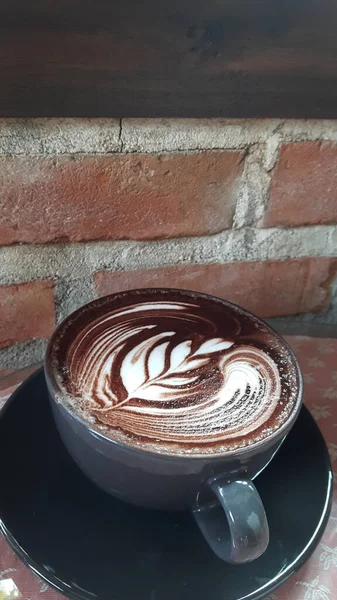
[(172, 58)]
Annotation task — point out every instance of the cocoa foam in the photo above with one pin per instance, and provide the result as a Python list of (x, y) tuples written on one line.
[(174, 372)]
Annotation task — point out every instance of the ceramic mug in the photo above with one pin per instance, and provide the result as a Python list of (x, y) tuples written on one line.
[(217, 488)]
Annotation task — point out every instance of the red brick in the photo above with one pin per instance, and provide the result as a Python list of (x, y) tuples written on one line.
[(137, 196), (26, 312), (304, 185), (268, 288)]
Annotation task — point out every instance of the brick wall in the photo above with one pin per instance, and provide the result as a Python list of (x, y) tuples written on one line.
[(246, 210)]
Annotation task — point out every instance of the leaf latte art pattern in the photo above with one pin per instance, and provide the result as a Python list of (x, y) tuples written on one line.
[(163, 371)]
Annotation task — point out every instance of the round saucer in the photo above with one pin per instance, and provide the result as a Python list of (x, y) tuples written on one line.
[(90, 546)]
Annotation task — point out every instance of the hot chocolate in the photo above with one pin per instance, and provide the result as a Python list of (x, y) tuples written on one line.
[(174, 372)]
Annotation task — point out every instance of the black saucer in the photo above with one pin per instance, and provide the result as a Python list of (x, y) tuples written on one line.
[(88, 545)]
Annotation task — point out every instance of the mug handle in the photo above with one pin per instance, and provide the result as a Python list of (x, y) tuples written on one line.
[(242, 534)]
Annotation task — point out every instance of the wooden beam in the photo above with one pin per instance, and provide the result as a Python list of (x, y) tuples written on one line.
[(172, 58)]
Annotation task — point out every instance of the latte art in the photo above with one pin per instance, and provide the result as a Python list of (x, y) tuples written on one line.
[(174, 372), (168, 385)]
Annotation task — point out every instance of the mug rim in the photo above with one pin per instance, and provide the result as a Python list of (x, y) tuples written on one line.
[(280, 433)]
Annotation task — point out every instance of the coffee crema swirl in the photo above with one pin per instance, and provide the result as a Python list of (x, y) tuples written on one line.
[(165, 373)]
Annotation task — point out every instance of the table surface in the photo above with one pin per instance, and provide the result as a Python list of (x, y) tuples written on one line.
[(317, 579)]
